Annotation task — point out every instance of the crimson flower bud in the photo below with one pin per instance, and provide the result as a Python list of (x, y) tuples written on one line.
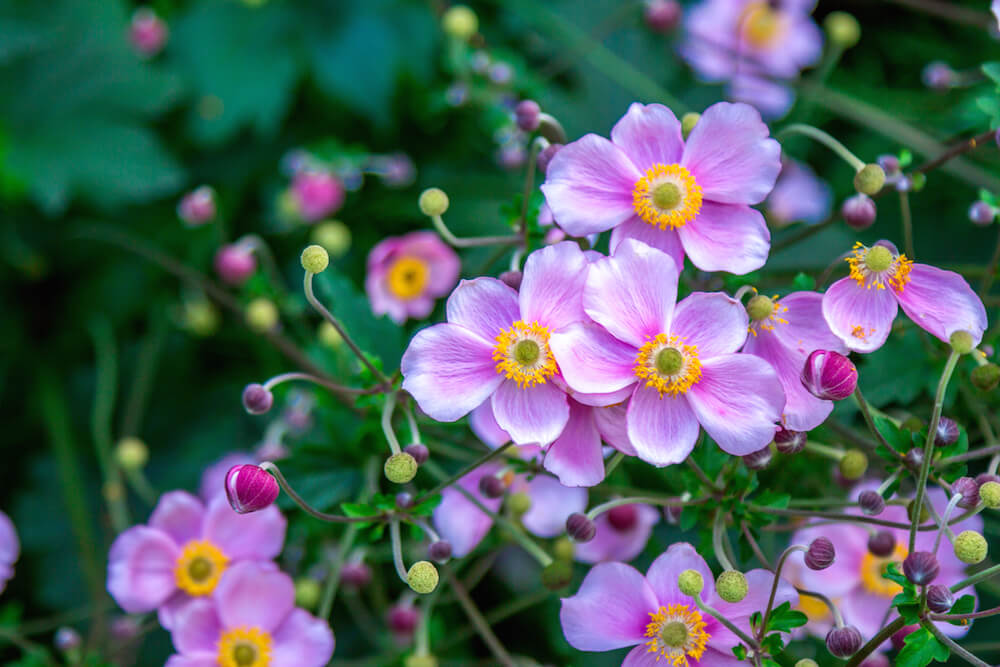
[(439, 551), (355, 575), (235, 263), (882, 543), (820, 554), (198, 206), (921, 567), (419, 452), (257, 399), (788, 441), (580, 528), (844, 642), (250, 488), (672, 514), (623, 517), (889, 164), (829, 375), (859, 211), (984, 477), (662, 15), (969, 489), (758, 460), (545, 156), (403, 619), (871, 502), (939, 598), (492, 486), (526, 114), (947, 432)]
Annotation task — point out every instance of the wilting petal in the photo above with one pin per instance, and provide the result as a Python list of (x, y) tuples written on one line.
[(302, 640), (731, 155), (551, 505), (726, 237), (250, 594), (196, 627), (941, 302), (179, 515), (588, 185), (255, 536), (759, 585), (612, 423), (663, 430), (649, 134), (664, 240), (662, 574), (591, 360), (485, 426), (449, 371), (141, 569), (715, 322), (860, 317), (632, 294), (552, 285), (484, 306), (611, 609), (458, 520), (803, 411), (575, 457), (531, 414), (738, 401)]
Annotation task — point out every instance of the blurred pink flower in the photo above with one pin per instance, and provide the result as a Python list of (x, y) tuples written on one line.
[(406, 274), (198, 206), (10, 549), (317, 193), (798, 196), (147, 32)]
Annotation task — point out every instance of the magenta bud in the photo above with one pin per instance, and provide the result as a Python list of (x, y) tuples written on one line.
[(969, 489), (662, 15), (882, 543), (512, 279), (939, 598), (419, 452), (527, 114), (257, 399), (317, 194), (404, 500), (355, 575), (623, 517), (844, 642), (580, 528), (545, 156), (871, 502), (439, 551), (403, 619), (198, 206), (235, 263), (821, 554), (859, 211), (921, 567), (758, 460), (147, 32), (492, 486), (947, 432), (788, 441), (981, 213), (250, 488), (672, 515), (938, 76), (984, 477), (889, 164), (829, 375)]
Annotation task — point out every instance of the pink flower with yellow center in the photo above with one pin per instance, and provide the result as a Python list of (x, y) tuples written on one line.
[(407, 274), (860, 309), (682, 197)]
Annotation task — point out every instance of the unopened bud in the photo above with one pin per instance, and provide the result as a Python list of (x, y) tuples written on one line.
[(400, 468), (938, 76), (439, 551), (235, 263), (844, 642), (914, 458), (890, 164), (871, 502), (317, 193), (869, 179), (732, 586), (403, 619), (492, 486), (981, 213), (758, 460), (970, 547), (924, 513), (623, 518), (806, 662), (404, 500), (690, 582), (262, 315), (789, 442), (307, 592), (545, 156), (422, 577), (131, 453), (882, 543), (460, 22), (829, 375), (564, 549), (986, 377), (526, 114), (433, 201), (580, 528), (67, 639), (821, 554), (968, 488), (315, 259), (519, 503), (355, 575), (854, 464), (859, 211), (688, 121), (257, 399), (989, 493), (250, 488), (661, 15), (961, 342), (939, 598), (842, 28), (921, 567), (557, 575), (198, 206), (419, 452), (947, 432)]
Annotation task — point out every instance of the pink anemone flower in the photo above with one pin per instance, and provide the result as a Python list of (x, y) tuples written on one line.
[(622, 534), (407, 274), (798, 196), (683, 197), (10, 549)]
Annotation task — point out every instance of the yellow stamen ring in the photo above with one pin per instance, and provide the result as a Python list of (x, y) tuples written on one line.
[(667, 196), (407, 278), (864, 261), (199, 567), (677, 632), (522, 354), (668, 365), (245, 647)]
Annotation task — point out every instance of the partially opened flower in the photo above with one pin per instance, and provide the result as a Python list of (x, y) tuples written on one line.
[(251, 620), (617, 607), (184, 550), (406, 274), (860, 309), (783, 332), (678, 361), (10, 549), (495, 346), (683, 197), (622, 534), (798, 196)]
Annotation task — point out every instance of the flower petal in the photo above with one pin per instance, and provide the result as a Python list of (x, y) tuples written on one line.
[(664, 240), (803, 411), (179, 515), (611, 609), (256, 536), (203, 659), (662, 574), (738, 401), (484, 306), (715, 322), (485, 426), (591, 360), (449, 371), (726, 237), (458, 520), (303, 641), (941, 302), (196, 627), (611, 544), (731, 155), (141, 569), (531, 414), (806, 329), (641, 656), (663, 430), (649, 134), (575, 457), (551, 505), (588, 185), (861, 318), (613, 425), (552, 285), (251, 594)]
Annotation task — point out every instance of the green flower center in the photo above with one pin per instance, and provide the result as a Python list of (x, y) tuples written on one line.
[(666, 196), (878, 259), (760, 308), (668, 361), (526, 352), (674, 634), (244, 655)]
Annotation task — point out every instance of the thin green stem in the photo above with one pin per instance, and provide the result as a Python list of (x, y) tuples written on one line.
[(876, 641), (976, 578), (411, 420), (613, 463), (489, 456), (824, 450), (496, 648), (701, 474), (718, 528), (100, 422), (309, 509), (749, 641), (774, 583), (869, 420), (145, 373), (422, 640), (991, 270), (397, 549), (640, 500), (307, 377), (907, 218), (822, 137), (471, 242), (390, 434)]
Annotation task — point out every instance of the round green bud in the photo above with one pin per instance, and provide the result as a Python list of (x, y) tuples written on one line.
[(961, 342), (760, 307), (262, 315), (986, 377), (420, 661), (564, 549), (918, 181), (460, 22), (519, 503), (688, 121), (287, 206), (307, 593), (989, 493), (332, 235), (433, 201), (422, 577), (869, 179), (329, 336), (970, 547), (806, 662), (400, 468), (131, 453), (925, 514), (315, 259), (854, 464), (557, 575), (842, 29), (732, 586), (200, 317), (690, 582)]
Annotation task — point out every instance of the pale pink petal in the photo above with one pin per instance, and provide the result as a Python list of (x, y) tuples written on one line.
[(485, 426), (663, 430), (256, 536), (458, 520), (442, 261), (649, 134), (575, 457), (531, 414), (302, 640), (612, 423), (196, 628), (860, 317), (726, 237), (168, 612), (865, 611), (632, 293), (772, 98), (613, 545), (251, 594), (738, 401), (850, 542), (551, 505), (714, 322), (588, 185), (641, 656), (552, 285), (803, 411), (141, 569), (611, 609), (179, 515), (484, 306), (941, 302), (213, 481), (806, 329), (202, 659), (731, 155), (664, 240), (592, 360), (759, 584), (449, 371), (662, 574)]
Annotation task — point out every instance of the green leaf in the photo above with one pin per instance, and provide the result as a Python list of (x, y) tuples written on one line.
[(803, 282), (964, 605), (740, 651), (357, 509), (992, 71), (921, 647), (783, 619), (771, 498)]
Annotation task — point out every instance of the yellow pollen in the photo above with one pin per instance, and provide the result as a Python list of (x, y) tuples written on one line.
[(814, 608), (760, 24), (677, 632), (872, 567), (668, 365), (408, 277), (522, 354), (245, 647), (667, 196), (199, 567), (773, 318), (896, 272)]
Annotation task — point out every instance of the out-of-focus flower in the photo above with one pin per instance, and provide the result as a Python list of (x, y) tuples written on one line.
[(198, 206), (10, 549), (235, 263), (317, 194), (798, 196), (406, 274), (147, 32), (622, 534)]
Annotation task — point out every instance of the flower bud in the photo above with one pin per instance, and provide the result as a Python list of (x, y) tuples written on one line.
[(986, 377), (131, 453), (842, 29), (970, 547), (947, 432), (921, 567), (197, 207), (672, 515), (257, 399), (890, 165), (307, 592), (989, 493), (419, 452), (420, 661), (519, 503), (262, 315), (806, 662), (564, 549), (545, 156), (788, 441), (355, 575), (315, 259), (200, 317), (961, 342), (829, 375), (688, 121), (580, 528), (882, 543), (235, 263), (938, 76), (492, 486), (124, 628), (623, 517), (317, 193), (853, 465), (844, 642), (690, 582), (439, 551), (918, 180), (871, 502), (859, 211), (981, 213), (821, 554), (460, 22), (147, 32), (914, 458), (433, 201), (512, 279), (732, 586), (661, 15), (328, 335), (968, 488), (422, 577), (403, 619), (67, 639), (758, 460), (939, 598), (869, 179), (250, 488), (526, 114), (400, 468), (924, 513)]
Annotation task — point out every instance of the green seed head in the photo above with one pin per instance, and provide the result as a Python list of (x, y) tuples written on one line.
[(332, 235), (986, 378), (262, 315), (315, 259), (460, 22), (878, 258), (131, 453), (970, 547), (688, 121), (674, 634), (690, 582), (806, 662), (666, 196), (433, 201), (989, 493), (307, 593), (760, 308), (961, 342), (732, 586), (519, 503), (422, 577), (854, 464), (843, 31), (526, 352), (869, 179), (564, 549), (420, 661), (400, 468), (669, 361)]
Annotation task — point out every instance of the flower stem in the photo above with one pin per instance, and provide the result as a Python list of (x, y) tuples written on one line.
[(866, 412), (876, 641), (907, 218), (397, 549), (718, 528), (641, 500), (823, 450), (309, 509), (615, 461), (991, 271), (390, 434), (952, 646), (822, 137), (104, 405), (774, 584), (489, 456), (473, 242), (749, 641), (496, 648)]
